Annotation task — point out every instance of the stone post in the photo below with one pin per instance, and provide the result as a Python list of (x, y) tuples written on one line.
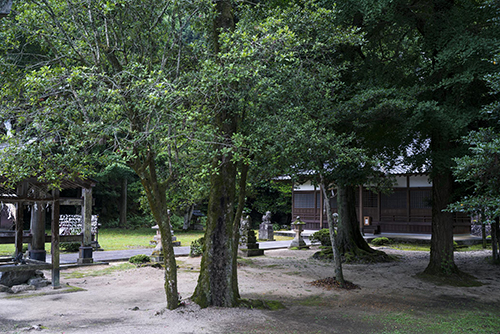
[(298, 241), (37, 251), (55, 241), (85, 254)]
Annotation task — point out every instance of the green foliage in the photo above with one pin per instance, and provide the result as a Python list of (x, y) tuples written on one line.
[(196, 248), (322, 236), (176, 222), (70, 247), (380, 241), (139, 259)]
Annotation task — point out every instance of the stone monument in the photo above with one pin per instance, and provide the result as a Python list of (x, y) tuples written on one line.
[(298, 241), (266, 231), (248, 245), (157, 255)]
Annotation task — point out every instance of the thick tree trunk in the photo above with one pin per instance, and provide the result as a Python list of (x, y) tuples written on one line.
[(349, 236), (187, 217), (156, 195), (216, 283), (123, 203), (441, 259), (495, 242), (339, 276)]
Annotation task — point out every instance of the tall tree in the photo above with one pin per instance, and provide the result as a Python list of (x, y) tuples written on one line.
[(103, 81), (436, 50)]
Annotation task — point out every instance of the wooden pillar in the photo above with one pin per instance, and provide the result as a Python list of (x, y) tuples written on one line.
[(361, 208), (87, 217), (379, 206), (21, 191), (321, 207), (123, 204), (55, 241), (408, 213), (85, 255), (37, 251), (19, 228)]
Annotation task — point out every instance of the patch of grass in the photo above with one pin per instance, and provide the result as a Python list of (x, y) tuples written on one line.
[(107, 271), (262, 304), (410, 247), (120, 239), (246, 261), (449, 321)]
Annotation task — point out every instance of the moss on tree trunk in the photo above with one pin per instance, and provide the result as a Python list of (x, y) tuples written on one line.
[(216, 283), (441, 259)]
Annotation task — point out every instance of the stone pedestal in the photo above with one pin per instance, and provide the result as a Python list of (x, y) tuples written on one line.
[(298, 241), (157, 255), (266, 232), (85, 255), (248, 245), (38, 254)]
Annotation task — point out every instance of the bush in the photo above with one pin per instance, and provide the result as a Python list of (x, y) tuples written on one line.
[(380, 241), (70, 247), (177, 222), (196, 248), (139, 259), (322, 236), (137, 221), (276, 227)]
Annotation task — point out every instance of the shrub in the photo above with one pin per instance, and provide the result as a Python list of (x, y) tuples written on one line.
[(139, 259), (70, 247), (196, 248), (322, 236), (177, 222), (380, 241), (276, 227)]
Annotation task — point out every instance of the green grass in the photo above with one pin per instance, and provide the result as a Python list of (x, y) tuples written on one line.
[(120, 239), (92, 273), (449, 321)]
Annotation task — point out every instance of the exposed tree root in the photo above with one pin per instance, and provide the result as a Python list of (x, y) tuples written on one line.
[(459, 279), (360, 256)]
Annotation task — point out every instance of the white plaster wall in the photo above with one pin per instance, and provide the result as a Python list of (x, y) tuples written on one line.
[(420, 181), (400, 182), (304, 187)]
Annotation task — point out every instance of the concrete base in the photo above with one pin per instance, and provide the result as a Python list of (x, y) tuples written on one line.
[(298, 243), (38, 254), (250, 252), (85, 255)]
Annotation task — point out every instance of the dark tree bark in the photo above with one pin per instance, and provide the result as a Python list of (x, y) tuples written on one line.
[(123, 203), (349, 236), (187, 217), (156, 195), (339, 275), (495, 241), (441, 259), (217, 283)]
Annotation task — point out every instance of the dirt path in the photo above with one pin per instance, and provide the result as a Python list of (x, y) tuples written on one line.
[(132, 301)]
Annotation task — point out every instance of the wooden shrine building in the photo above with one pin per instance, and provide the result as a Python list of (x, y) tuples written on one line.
[(37, 196), (407, 209)]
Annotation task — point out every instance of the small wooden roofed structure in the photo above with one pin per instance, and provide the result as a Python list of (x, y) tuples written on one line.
[(31, 191)]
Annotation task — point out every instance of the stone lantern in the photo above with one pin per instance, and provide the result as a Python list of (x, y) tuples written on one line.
[(298, 241)]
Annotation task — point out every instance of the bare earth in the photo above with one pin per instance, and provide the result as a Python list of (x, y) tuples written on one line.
[(133, 301)]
